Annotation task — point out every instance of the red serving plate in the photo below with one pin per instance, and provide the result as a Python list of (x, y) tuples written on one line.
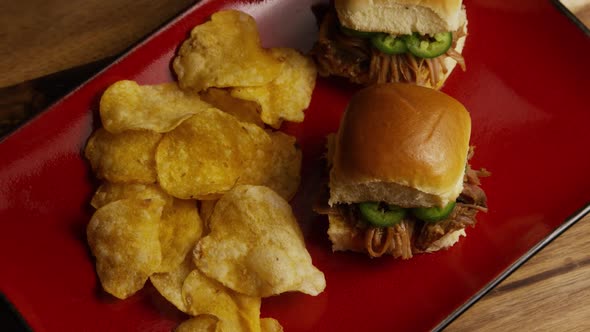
[(526, 87)]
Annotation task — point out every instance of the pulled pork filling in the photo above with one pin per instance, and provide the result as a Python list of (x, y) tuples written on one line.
[(354, 58), (412, 235)]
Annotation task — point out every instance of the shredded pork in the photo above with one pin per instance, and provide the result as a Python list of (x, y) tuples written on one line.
[(396, 240)]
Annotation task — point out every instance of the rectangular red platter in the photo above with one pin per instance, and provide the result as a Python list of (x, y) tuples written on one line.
[(525, 86)]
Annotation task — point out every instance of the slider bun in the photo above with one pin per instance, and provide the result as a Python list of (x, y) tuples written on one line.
[(401, 16), (401, 144)]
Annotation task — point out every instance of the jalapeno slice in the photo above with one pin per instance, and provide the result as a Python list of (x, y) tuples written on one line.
[(433, 214), (429, 47), (355, 33), (389, 44), (381, 215)]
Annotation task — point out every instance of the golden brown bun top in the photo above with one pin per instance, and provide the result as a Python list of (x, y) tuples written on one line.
[(401, 16), (400, 143)]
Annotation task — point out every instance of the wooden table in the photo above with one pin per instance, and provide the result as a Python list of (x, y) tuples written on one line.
[(551, 292)]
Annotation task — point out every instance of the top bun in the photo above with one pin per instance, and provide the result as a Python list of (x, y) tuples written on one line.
[(401, 144), (401, 17)]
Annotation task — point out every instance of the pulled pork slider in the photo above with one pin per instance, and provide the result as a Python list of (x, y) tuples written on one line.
[(379, 41), (399, 178)]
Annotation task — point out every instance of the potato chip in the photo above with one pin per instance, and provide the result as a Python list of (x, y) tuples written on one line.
[(236, 312), (110, 192), (224, 52), (258, 156), (180, 224), (255, 246), (125, 105), (169, 284), (277, 167), (206, 155), (123, 236), (243, 110), (206, 209), (180, 228), (201, 323), (270, 325), (277, 164), (283, 172), (127, 157), (288, 95)]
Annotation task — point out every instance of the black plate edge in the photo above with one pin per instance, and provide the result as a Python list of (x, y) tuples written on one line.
[(518, 263), (10, 318), (562, 8)]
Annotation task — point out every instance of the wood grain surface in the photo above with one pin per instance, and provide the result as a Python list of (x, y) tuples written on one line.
[(580, 8), (551, 292), (39, 37)]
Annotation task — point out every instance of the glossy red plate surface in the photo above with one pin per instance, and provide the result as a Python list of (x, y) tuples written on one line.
[(526, 88)]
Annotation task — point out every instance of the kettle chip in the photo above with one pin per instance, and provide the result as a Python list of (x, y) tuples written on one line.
[(255, 246), (123, 236), (126, 105)]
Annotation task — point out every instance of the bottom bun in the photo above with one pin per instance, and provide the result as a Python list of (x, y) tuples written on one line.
[(344, 237)]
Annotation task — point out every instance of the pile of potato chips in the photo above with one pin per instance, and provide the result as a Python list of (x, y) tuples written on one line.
[(226, 53), (195, 187)]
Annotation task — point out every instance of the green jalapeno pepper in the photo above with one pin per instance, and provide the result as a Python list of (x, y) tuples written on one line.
[(355, 33), (381, 215), (389, 44), (433, 214), (429, 47)]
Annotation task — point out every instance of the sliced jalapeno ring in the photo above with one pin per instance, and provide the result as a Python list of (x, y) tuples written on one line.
[(433, 214), (355, 33), (429, 47), (381, 215), (389, 44)]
